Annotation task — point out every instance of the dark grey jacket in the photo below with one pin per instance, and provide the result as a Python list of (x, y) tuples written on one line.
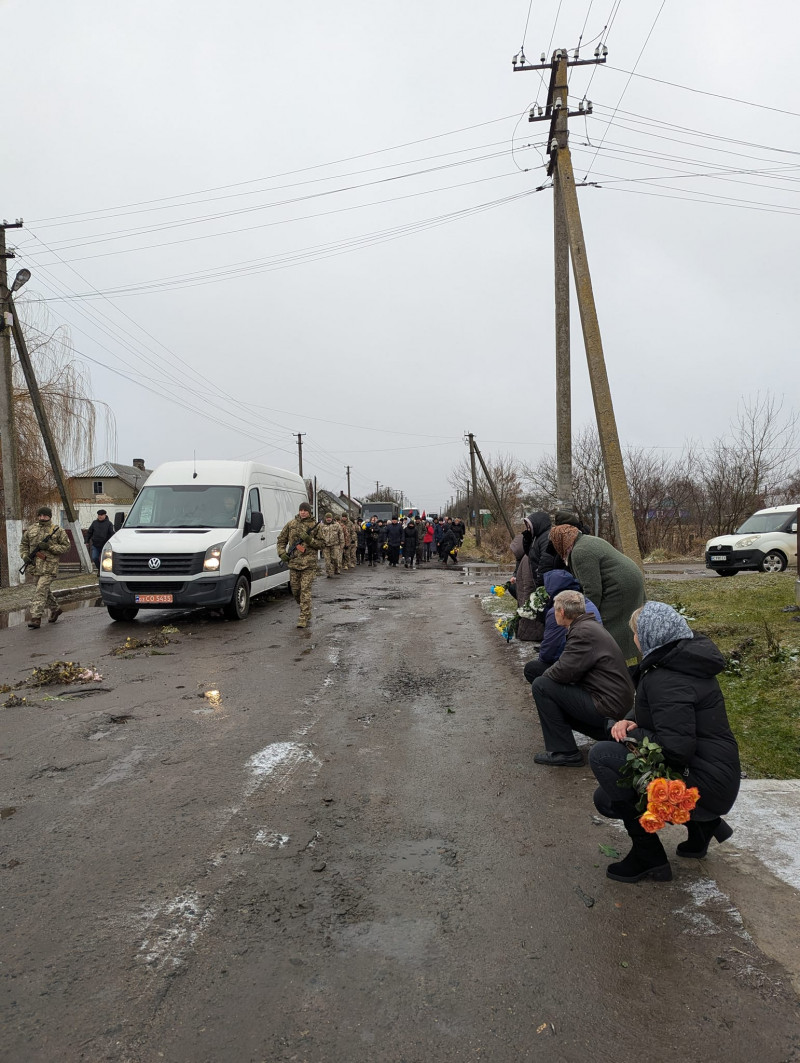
[(593, 660)]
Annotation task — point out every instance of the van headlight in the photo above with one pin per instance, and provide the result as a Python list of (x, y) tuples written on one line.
[(107, 560), (211, 560), (747, 541)]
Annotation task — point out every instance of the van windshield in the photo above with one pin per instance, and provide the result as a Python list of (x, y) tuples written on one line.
[(764, 522), (186, 506)]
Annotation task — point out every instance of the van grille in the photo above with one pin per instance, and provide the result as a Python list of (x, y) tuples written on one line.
[(165, 587), (720, 549), (170, 564)]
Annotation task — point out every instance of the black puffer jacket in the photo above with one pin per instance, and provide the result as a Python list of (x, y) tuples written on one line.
[(540, 524), (679, 705), (394, 534)]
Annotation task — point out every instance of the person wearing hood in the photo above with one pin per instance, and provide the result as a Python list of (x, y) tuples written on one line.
[(537, 533), (554, 637), (522, 586), (610, 579), (680, 706)]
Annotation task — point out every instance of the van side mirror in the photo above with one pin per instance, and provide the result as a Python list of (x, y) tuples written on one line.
[(256, 522), (793, 528)]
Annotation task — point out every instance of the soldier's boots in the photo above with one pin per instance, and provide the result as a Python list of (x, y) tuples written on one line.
[(54, 615), (34, 622)]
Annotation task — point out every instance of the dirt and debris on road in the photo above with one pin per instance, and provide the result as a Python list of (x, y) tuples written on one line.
[(346, 854)]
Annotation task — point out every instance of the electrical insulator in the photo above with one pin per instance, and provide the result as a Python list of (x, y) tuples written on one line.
[(554, 144), (597, 52), (558, 103), (543, 58), (605, 51)]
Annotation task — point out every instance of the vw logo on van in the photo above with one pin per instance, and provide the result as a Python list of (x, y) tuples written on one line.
[(154, 562)]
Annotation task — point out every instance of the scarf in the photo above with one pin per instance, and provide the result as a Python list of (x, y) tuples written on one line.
[(563, 538), (659, 624)]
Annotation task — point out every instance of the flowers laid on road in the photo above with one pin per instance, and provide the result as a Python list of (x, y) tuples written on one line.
[(507, 626), (499, 590), (535, 604), (664, 796)]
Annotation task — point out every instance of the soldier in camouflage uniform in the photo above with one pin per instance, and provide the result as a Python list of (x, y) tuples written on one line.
[(297, 546), (331, 534), (344, 524), (45, 563), (353, 547)]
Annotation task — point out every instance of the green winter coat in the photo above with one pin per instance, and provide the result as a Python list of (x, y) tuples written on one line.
[(613, 582), (300, 531), (31, 544)]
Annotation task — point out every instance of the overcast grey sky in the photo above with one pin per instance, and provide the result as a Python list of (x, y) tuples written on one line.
[(307, 218)]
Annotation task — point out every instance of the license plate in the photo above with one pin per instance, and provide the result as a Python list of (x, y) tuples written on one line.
[(718, 557), (153, 599)]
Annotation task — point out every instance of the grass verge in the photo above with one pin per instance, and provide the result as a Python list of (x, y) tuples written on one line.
[(744, 616)]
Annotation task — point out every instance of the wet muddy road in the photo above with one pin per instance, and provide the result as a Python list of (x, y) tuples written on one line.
[(348, 855)]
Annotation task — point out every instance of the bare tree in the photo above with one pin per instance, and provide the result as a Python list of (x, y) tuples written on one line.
[(506, 473), (72, 412)]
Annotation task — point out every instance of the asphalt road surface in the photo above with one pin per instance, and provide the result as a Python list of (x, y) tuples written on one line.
[(350, 856)]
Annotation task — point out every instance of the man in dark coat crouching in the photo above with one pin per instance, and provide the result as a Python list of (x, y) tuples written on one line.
[(587, 685)]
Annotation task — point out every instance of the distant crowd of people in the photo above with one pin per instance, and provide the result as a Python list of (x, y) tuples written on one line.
[(345, 543), (618, 669)]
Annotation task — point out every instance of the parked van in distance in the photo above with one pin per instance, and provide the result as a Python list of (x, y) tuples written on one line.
[(766, 542), (201, 534)]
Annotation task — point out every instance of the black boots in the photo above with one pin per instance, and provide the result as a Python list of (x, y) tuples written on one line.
[(700, 834), (647, 858)]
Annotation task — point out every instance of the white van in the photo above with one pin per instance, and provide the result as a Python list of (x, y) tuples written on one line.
[(766, 542), (201, 534)]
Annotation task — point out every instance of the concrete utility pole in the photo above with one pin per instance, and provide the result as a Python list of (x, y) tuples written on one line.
[(300, 451), (560, 168), (490, 482), (349, 503), (12, 504), (49, 441), (471, 438), (561, 271)]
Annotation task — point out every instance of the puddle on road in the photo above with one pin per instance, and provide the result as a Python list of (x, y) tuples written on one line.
[(19, 616)]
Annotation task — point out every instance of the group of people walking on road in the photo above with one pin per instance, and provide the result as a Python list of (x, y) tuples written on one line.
[(346, 543), (618, 669)]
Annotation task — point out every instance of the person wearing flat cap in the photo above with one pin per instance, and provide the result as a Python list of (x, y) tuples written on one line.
[(45, 542), (97, 535)]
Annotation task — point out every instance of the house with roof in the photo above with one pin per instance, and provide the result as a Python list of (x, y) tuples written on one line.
[(108, 486)]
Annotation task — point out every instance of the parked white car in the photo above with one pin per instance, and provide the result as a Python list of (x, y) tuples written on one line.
[(201, 534), (766, 542)]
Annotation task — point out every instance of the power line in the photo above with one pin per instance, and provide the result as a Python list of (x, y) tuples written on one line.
[(625, 89), (286, 173)]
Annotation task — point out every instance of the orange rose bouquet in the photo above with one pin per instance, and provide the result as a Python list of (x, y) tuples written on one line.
[(663, 795)]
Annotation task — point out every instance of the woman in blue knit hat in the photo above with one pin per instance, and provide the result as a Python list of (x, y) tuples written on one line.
[(680, 706)]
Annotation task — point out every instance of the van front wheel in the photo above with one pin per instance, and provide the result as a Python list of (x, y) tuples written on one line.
[(122, 612), (239, 605)]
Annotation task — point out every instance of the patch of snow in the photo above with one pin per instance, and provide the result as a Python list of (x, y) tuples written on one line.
[(173, 930), (278, 759), (272, 839)]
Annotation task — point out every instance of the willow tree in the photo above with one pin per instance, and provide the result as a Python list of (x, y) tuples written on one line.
[(66, 396)]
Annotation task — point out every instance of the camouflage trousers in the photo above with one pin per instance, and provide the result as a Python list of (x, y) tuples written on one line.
[(332, 556), (300, 582), (351, 553), (43, 597)]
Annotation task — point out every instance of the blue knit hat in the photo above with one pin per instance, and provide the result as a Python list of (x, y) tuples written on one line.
[(659, 624)]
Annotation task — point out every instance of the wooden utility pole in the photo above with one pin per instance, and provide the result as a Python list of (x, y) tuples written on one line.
[(490, 482), (12, 504), (349, 504), (300, 451), (49, 440), (474, 488), (566, 209)]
